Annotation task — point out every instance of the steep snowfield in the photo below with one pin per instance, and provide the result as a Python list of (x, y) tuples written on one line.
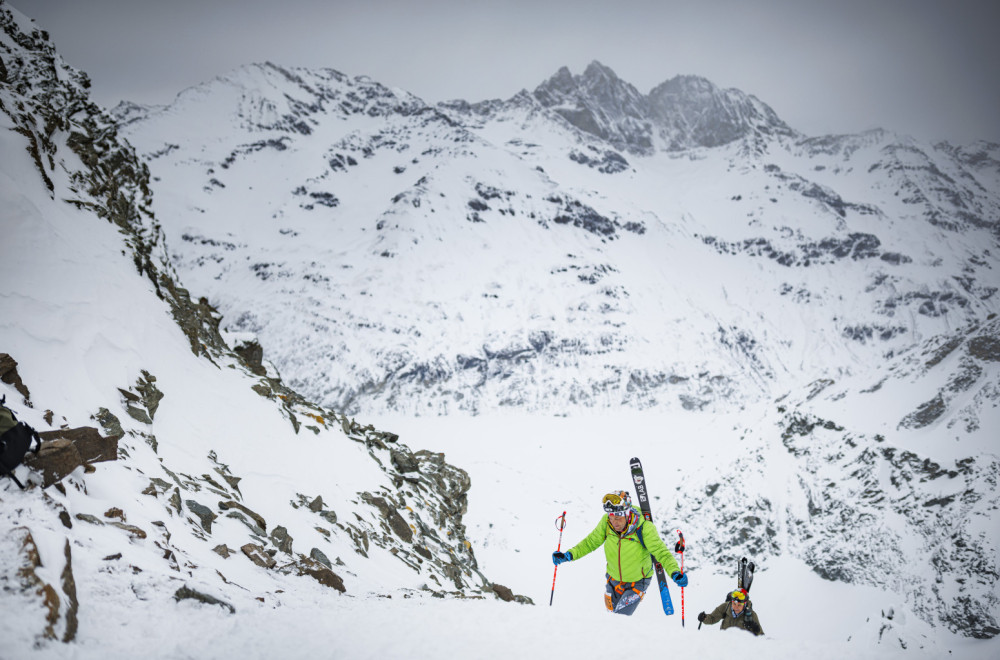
[(81, 324)]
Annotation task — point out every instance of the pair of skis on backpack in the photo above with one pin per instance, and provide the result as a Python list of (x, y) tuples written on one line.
[(744, 574)]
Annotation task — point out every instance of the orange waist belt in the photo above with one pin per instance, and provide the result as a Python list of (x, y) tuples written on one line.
[(622, 586)]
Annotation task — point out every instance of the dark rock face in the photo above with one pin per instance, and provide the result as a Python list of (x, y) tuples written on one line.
[(204, 514), (684, 112), (256, 554), (391, 515), (9, 375), (608, 162), (186, 592), (257, 518), (925, 414), (855, 246), (600, 103), (56, 603), (64, 450), (93, 447), (986, 348), (691, 111), (320, 572)]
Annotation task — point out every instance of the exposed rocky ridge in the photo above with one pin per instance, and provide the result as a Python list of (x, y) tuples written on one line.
[(415, 513), (954, 193), (600, 103), (681, 113), (691, 111)]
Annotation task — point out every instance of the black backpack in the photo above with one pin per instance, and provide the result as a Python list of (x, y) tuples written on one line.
[(15, 440)]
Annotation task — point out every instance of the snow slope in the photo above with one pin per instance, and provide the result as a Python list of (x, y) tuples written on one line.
[(89, 314)]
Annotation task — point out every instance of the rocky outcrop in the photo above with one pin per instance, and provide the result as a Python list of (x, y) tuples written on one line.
[(56, 603), (9, 375), (64, 450), (186, 592)]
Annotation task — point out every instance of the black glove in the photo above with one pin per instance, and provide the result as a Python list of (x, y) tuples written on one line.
[(701, 617), (752, 627)]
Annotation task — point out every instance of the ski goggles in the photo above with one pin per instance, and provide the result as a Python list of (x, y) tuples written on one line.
[(615, 504), (739, 596), (612, 498)]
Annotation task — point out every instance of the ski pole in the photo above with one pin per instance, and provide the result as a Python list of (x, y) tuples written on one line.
[(560, 525), (680, 547)]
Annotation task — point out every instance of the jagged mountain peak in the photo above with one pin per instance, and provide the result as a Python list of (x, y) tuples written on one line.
[(598, 83), (693, 111), (600, 103), (562, 81), (596, 71), (685, 84), (683, 112)]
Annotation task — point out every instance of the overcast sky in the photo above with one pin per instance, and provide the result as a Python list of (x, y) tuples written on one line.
[(923, 67)]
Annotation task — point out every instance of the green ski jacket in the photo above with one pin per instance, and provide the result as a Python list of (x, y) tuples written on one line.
[(628, 560)]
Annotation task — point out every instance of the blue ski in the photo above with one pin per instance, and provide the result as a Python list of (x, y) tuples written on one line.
[(640, 490)]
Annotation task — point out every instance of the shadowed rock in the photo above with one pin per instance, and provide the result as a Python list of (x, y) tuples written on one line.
[(189, 593)]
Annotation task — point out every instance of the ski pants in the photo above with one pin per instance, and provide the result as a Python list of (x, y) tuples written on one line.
[(624, 597)]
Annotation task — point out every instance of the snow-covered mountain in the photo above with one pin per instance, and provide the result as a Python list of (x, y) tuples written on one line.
[(586, 247), (560, 251), (804, 328), (176, 463)]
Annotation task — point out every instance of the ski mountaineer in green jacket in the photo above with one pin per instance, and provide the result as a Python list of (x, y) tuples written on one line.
[(628, 540)]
